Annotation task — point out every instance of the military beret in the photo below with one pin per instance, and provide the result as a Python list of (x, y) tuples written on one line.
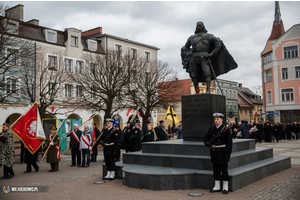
[(117, 125)]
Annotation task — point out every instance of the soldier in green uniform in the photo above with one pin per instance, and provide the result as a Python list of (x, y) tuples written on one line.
[(161, 131), (136, 135), (7, 151), (53, 155)]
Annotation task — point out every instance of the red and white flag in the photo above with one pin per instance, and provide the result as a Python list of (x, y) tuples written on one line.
[(30, 130), (52, 108)]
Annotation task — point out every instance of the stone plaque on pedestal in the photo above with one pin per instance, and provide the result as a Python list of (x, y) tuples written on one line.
[(197, 111)]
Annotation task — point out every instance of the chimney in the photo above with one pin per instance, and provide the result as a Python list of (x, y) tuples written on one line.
[(15, 12), (94, 31), (34, 22), (240, 85)]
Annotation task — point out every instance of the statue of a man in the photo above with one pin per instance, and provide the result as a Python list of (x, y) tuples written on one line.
[(206, 48)]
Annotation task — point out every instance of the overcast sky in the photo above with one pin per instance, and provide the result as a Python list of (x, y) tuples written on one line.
[(243, 26)]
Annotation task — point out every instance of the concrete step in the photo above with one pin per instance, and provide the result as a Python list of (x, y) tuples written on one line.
[(167, 178), (237, 159), (180, 147)]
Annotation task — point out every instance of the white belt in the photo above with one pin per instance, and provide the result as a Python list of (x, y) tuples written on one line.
[(219, 146), (109, 144)]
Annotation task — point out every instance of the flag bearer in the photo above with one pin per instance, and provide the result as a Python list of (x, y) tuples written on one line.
[(53, 155)]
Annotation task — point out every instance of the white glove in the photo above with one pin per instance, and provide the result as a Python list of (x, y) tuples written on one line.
[(51, 143), (90, 148)]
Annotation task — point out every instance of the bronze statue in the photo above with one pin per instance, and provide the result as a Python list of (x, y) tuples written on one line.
[(207, 59)]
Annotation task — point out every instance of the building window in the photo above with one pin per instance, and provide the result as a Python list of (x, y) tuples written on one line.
[(68, 65), (267, 58), (52, 63), (269, 96), (74, 41), (93, 69), (50, 36), (290, 52), (11, 28), (79, 91), (52, 90), (12, 56), (68, 90), (93, 92), (79, 67), (287, 94), (268, 75), (11, 86), (147, 56), (297, 69), (118, 49), (246, 111), (284, 73), (133, 54), (92, 46)]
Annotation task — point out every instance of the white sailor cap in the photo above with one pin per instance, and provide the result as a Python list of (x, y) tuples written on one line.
[(218, 115), (109, 120)]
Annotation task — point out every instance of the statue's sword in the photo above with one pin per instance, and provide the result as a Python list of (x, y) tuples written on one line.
[(212, 69)]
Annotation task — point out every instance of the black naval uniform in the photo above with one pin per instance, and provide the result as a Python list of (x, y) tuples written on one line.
[(110, 141), (219, 155)]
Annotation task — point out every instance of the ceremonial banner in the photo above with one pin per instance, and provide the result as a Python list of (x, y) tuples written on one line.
[(30, 130), (116, 120), (170, 114), (77, 121), (62, 134)]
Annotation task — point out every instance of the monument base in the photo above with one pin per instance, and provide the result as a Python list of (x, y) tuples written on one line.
[(197, 111)]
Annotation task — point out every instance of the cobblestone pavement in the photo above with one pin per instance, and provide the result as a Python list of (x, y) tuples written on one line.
[(78, 183)]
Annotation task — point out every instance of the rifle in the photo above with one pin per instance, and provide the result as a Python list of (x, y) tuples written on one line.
[(103, 142), (209, 144)]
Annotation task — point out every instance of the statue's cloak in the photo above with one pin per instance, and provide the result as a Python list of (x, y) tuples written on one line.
[(222, 62)]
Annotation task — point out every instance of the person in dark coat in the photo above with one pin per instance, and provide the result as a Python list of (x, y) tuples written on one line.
[(267, 131), (259, 132), (121, 140), (127, 137), (75, 136), (110, 142), (219, 140), (22, 155), (161, 131), (30, 159), (53, 154), (295, 129), (276, 131), (135, 135), (95, 147), (145, 130), (149, 134), (288, 131), (244, 128)]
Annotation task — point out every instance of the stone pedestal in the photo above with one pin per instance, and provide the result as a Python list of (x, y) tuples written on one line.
[(197, 111)]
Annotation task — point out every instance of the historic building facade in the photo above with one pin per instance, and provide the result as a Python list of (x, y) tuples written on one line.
[(280, 64), (67, 49)]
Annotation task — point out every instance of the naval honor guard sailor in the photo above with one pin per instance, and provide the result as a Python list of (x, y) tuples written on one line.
[(110, 142), (219, 140)]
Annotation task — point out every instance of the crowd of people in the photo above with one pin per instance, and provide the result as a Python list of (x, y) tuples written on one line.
[(265, 131)]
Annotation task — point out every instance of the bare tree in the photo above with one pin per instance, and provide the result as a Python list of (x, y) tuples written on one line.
[(45, 79), (103, 81), (14, 53), (153, 87)]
